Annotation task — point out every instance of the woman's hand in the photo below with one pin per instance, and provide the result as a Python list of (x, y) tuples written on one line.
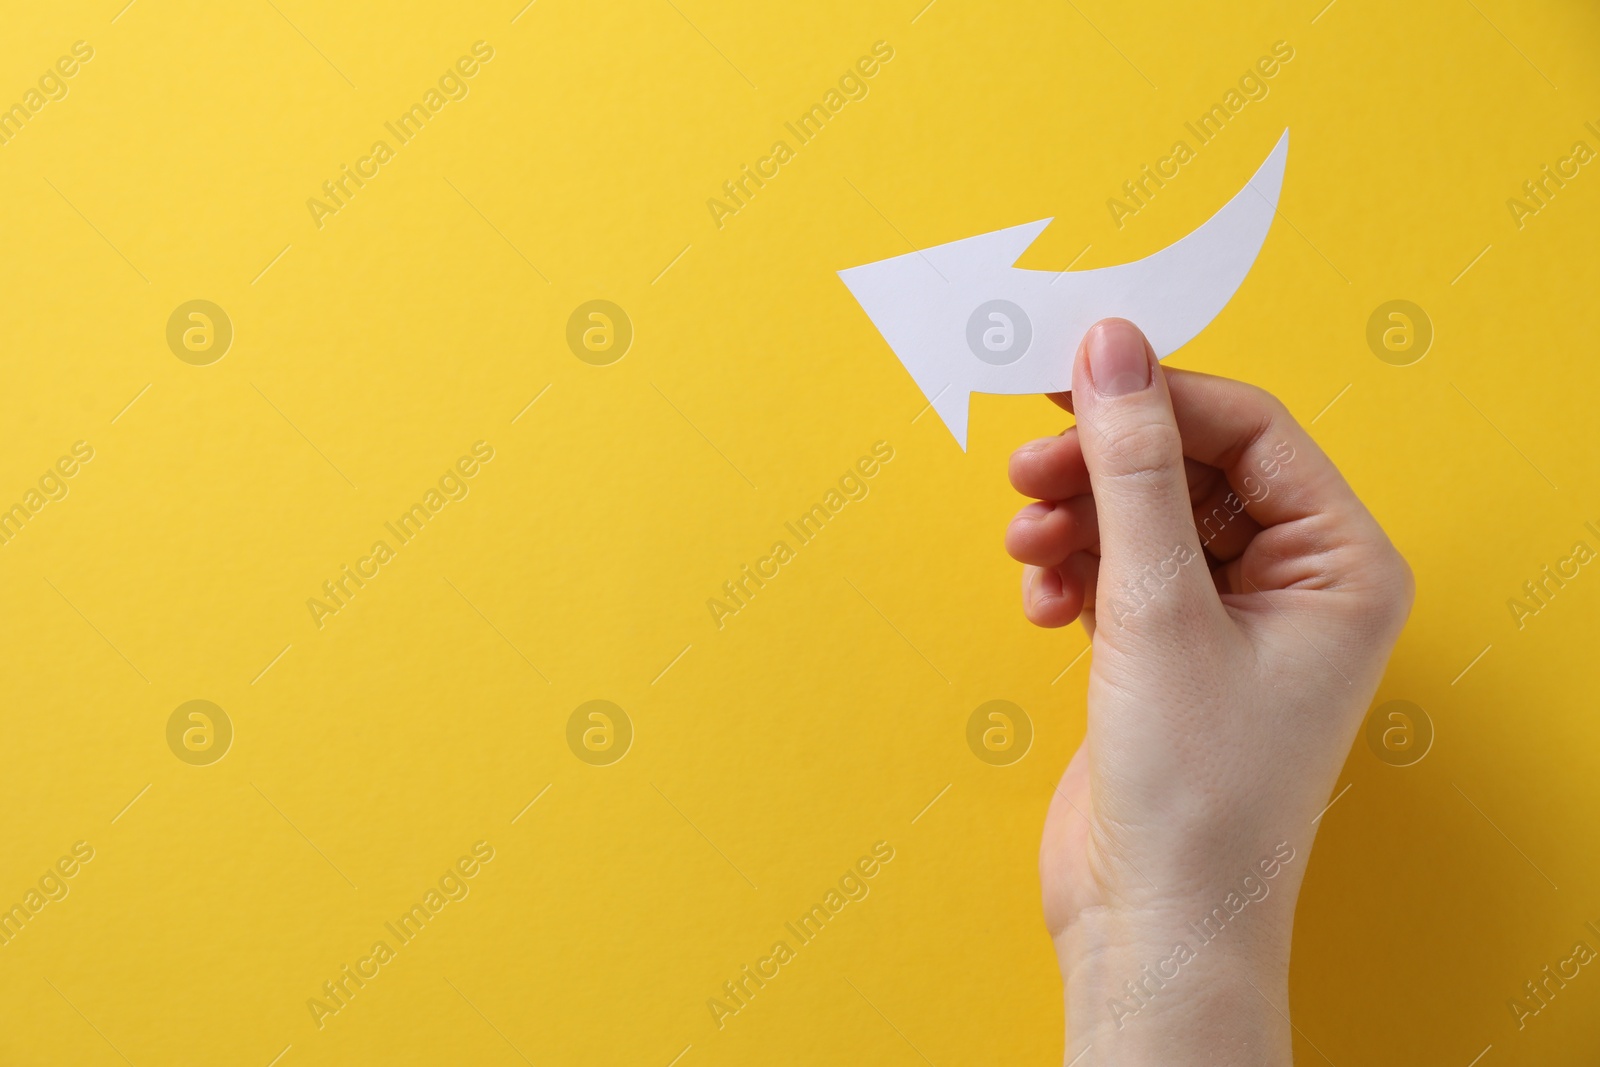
[(1242, 605)]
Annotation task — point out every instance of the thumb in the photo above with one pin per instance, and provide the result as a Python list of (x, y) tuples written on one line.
[(1151, 566)]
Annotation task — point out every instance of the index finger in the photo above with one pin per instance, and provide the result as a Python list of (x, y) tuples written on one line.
[(1279, 472)]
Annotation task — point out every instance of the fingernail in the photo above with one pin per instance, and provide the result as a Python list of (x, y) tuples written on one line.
[(1049, 583), (1046, 583), (1117, 361), (1037, 446), (1033, 512)]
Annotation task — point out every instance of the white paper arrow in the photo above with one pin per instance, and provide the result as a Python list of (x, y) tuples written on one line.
[(963, 320)]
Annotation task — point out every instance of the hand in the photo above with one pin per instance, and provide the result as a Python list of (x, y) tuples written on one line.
[(1242, 604)]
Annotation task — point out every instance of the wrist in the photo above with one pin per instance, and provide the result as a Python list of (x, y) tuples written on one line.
[(1178, 983)]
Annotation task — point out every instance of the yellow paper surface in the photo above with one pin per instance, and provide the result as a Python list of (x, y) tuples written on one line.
[(770, 749)]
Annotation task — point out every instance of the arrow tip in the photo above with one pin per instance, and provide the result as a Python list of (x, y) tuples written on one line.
[(953, 404)]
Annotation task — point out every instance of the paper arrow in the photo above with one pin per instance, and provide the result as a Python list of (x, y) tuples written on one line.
[(963, 320)]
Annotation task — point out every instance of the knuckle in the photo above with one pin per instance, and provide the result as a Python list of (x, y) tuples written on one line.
[(1272, 415), (1255, 398), (1144, 449), (1404, 583), (1389, 590), (1275, 414), (1268, 401)]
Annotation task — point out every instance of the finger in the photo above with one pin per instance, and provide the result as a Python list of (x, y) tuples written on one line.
[(1230, 578), (1226, 529), (1046, 600), (1085, 569), (1247, 433), (1315, 530), (1150, 559), (1062, 400), (1054, 596), (1050, 468), (1046, 534)]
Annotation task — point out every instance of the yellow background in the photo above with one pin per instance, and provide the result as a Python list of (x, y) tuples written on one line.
[(830, 712)]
